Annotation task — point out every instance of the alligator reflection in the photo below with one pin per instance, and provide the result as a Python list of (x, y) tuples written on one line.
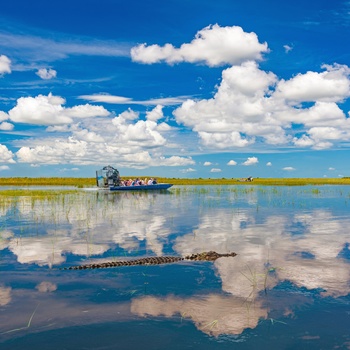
[(308, 248)]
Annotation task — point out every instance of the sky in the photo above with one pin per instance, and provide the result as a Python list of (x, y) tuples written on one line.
[(181, 89)]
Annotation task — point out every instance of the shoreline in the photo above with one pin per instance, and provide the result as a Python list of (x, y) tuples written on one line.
[(85, 182)]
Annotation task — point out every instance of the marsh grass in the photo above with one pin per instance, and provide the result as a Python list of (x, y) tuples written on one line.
[(255, 279), (35, 193), (258, 181), (47, 181), (273, 321), (25, 327), (185, 315), (211, 325), (258, 281), (89, 182)]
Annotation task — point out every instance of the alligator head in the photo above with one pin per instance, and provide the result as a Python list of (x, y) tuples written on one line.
[(209, 256)]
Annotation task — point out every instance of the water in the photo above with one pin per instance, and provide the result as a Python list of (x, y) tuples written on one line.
[(288, 287)]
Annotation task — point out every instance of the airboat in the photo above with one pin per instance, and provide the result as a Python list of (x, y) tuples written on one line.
[(108, 178)]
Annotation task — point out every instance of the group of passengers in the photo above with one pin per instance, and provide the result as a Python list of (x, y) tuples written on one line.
[(138, 182)]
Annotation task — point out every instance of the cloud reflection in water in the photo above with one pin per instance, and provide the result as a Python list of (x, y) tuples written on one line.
[(274, 244)]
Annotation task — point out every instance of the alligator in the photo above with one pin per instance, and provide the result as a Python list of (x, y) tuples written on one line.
[(154, 260)]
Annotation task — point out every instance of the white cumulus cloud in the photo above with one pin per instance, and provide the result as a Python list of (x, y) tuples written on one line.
[(232, 162), (213, 45), (3, 116), (251, 161), (251, 104), (188, 170), (48, 110), (6, 156), (126, 140), (68, 170), (332, 85), (175, 161), (238, 112), (288, 168), (54, 152), (126, 115), (5, 126), (5, 64), (46, 74), (287, 48), (155, 114)]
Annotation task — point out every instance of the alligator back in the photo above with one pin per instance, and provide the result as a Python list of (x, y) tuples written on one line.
[(156, 260)]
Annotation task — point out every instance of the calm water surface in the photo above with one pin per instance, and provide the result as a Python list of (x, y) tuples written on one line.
[(288, 287)]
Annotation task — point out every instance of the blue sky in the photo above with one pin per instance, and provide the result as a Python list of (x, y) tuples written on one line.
[(175, 88)]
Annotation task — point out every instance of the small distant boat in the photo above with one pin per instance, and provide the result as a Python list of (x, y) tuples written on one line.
[(108, 178)]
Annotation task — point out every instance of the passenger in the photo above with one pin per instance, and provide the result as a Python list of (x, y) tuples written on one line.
[(150, 181), (154, 182)]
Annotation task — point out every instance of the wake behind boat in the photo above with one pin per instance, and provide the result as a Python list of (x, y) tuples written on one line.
[(109, 178)]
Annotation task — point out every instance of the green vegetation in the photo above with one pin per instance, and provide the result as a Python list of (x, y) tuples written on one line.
[(47, 181), (89, 182), (260, 181), (34, 193)]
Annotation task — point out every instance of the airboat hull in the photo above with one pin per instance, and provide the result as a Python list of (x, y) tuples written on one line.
[(155, 187)]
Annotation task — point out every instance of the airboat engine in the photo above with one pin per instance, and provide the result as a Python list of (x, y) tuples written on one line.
[(107, 177)]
